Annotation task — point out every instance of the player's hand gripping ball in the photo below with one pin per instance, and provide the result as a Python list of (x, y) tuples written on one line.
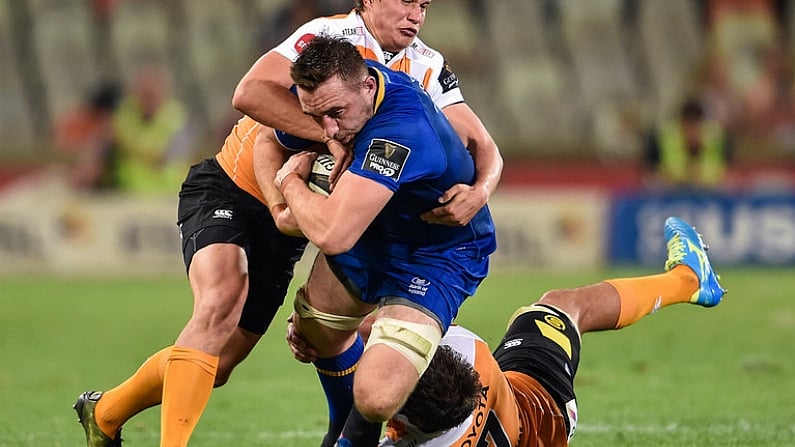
[(318, 177)]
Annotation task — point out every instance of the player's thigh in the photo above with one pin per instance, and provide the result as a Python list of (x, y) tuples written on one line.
[(326, 292), (218, 276), (327, 316), (543, 343)]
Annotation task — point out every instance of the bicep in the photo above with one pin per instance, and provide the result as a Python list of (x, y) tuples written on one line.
[(467, 125), (271, 67), (357, 200)]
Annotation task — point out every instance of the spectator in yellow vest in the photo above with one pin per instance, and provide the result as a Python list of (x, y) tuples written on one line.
[(153, 138), (691, 152)]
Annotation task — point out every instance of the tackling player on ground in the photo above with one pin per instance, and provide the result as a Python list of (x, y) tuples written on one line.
[(522, 394)]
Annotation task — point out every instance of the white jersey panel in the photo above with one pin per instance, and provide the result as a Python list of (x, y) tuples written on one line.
[(421, 62)]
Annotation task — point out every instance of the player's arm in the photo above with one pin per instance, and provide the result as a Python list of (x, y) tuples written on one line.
[(462, 202), (336, 222), (264, 94), (268, 157)]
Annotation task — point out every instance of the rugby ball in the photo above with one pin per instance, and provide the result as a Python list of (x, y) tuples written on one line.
[(318, 177)]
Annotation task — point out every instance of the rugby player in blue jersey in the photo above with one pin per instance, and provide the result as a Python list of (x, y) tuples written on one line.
[(415, 275)]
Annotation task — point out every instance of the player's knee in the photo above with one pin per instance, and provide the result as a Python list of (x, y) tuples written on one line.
[(376, 406), (562, 299)]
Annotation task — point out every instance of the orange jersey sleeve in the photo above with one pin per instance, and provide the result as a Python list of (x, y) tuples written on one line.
[(237, 156)]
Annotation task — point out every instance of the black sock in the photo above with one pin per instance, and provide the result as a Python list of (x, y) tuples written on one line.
[(359, 432)]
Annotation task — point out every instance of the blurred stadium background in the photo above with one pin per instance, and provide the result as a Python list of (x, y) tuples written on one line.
[(567, 88)]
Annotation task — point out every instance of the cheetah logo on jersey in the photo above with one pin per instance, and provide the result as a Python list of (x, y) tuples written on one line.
[(386, 158)]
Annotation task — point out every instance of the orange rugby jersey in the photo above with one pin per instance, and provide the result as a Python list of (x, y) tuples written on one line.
[(237, 156)]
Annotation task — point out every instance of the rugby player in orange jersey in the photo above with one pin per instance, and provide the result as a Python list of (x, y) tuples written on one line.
[(522, 394)]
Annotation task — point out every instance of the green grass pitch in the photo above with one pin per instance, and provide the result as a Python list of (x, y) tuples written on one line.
[(686, 376)]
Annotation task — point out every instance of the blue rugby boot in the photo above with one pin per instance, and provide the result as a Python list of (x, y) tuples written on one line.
[(85, 415), (685, 246)]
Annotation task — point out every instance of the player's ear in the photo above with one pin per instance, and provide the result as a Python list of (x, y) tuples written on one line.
[(370, 84)]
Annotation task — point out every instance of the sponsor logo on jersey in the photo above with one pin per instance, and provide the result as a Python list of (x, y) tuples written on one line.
[(419, 286), (555, 322), (355, 31), (222, 214), (423, 50), (303, 41), (512, 343), (447, 78), (386, 158)]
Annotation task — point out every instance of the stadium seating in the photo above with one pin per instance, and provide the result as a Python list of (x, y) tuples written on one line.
[(16, 129), (534, 89), (219, 53), (63, 44), (669, 39), (140, 33)]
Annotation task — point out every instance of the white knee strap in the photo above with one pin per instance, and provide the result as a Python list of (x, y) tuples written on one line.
[(337, 322), (415, 341)]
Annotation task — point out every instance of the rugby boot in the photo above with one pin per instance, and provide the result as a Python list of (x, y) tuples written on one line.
[(85, 415), (685, 246)]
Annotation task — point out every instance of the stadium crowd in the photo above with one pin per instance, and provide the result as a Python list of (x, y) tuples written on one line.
[(576, 78)]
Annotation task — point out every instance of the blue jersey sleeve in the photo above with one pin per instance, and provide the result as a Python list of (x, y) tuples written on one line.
[(291, 142)]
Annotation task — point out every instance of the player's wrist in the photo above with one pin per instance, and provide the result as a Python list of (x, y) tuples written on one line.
[(290, 177), (278, 208)]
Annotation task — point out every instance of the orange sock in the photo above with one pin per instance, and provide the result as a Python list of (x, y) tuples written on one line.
[(190, 374), (142, 390), (644, 295)]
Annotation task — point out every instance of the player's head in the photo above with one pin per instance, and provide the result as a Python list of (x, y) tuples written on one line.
[(447, 393), (393, 23), (334, 86)]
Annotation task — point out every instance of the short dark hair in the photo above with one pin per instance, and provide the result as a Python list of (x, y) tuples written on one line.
[(358, 5), (447, 393), (325, 57)]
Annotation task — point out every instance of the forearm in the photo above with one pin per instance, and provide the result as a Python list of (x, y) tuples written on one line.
[(314, 218), (336, 222), (488, 165), (276, 107), (264, 95), (268, 158)]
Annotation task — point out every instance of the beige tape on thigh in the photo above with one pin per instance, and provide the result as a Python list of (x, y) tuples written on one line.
[(337, 322), (415, 341)]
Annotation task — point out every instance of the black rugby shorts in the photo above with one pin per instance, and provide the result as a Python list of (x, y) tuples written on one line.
[(212, 209)]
